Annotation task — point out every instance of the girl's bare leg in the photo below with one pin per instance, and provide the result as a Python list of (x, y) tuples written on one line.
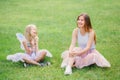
[(65, 62), (31, 61), (68, 69), (41, 57), (65, 56), (71, 61)]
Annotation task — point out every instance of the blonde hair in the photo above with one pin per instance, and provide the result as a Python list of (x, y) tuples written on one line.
[(28, 32)]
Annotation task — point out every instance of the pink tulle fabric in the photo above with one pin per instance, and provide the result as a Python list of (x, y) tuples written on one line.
[(91, 57)]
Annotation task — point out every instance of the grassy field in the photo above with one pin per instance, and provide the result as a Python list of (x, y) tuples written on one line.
[(55, 20)]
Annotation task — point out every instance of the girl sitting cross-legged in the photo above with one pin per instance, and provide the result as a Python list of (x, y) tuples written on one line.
[(30, 44)]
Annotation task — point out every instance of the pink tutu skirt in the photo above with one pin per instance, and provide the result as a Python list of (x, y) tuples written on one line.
[(91, 57), (19, 56)]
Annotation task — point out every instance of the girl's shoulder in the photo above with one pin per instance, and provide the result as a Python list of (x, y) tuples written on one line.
[(76, 30), (92, 32)]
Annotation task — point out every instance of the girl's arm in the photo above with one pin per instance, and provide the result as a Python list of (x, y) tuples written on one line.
[(27, 49), (89, 44), (74, 39), (36, 44)]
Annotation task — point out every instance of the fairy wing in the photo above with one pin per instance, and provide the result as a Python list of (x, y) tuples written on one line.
[(21, 38)]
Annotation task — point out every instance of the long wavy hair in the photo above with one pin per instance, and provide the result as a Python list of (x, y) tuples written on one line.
[(28, 33), (88, 25)]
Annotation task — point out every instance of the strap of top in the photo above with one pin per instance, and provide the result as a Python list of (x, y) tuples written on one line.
[(83, 39)]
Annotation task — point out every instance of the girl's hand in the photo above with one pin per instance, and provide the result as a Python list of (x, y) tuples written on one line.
[(29, 51), (73, 53)]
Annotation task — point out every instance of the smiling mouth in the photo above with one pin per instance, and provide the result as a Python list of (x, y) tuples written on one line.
[(80, 23)]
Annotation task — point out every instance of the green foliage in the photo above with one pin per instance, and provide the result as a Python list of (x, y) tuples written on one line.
[(55, 20)]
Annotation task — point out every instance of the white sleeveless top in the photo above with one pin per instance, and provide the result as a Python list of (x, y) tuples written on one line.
[(83, 39)]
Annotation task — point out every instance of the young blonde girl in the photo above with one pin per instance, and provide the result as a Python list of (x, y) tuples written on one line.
[(30, 44), (33, 54)]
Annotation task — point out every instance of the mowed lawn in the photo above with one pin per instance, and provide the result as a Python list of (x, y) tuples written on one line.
[(56, 20)]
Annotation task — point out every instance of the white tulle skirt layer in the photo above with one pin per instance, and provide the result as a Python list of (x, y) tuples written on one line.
[(91, 57), (19, 56)]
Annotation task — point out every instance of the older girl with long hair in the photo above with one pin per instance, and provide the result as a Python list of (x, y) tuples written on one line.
[(85, 54)]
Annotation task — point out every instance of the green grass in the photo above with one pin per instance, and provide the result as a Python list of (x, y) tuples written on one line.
[(55, 20)]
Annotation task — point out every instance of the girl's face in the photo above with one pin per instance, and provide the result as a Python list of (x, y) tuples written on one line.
[(33, 32), (81, 22)]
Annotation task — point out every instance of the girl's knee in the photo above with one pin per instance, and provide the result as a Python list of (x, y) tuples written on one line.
[(65, 54), (43, 53)]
